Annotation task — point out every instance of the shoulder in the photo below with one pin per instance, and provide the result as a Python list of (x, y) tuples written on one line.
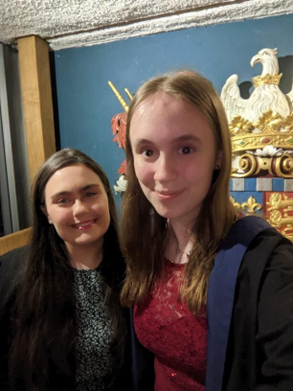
[(268, 259), (10, 268), (258, 237), (259, 246), (273, 247), (14, 257)]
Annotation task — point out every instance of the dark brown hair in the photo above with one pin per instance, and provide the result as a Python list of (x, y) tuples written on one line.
[(42, 351), (144, 231)]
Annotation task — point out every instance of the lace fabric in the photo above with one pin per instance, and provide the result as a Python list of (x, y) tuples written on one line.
[(166, 327)]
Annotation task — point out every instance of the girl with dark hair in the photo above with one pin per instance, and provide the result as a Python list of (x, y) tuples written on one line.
[(62, 327), (212, 293)]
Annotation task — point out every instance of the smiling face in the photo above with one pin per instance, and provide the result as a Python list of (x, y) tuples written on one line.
[(77, 205), (175, 155)]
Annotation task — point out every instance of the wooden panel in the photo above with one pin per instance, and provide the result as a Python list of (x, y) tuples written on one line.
[(15, 240), (38, 116), (37, 100)]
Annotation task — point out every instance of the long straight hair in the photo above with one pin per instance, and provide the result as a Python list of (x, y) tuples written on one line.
[(144, 231), (42, 350)]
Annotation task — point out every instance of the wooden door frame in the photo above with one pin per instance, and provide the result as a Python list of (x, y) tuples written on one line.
[(37, 103)]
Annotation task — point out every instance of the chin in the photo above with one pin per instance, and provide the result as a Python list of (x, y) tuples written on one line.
[(166, 213)]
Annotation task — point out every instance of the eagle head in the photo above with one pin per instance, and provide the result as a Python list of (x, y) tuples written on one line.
[(268, 58)]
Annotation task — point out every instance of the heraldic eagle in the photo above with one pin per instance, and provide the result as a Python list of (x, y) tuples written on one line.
[(266, 94)]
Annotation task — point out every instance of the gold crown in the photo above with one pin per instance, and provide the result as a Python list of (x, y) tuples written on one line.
[(270, 129), (267, 79), (249, 140)]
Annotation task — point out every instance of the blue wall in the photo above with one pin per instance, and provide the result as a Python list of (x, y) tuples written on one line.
[(86, 103)]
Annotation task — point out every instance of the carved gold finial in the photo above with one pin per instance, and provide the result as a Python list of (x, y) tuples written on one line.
[(128, 93), (121, 100)]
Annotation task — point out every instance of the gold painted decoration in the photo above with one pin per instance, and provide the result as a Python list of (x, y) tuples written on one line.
[(236, 204), (288, 232), (128, 93), (267, 79), (119, 97), (261, 125), (288, 124), (280, 212), (269, 122), (239, 126), (250, 165), (250, 206)]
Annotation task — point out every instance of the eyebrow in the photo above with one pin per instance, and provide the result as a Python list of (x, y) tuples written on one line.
[(84, 188), (185, 137)]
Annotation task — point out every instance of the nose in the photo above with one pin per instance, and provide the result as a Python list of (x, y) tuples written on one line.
[(80, 207), (165, 169)]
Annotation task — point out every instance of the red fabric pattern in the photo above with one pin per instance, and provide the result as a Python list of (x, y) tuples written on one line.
[(176, 337)]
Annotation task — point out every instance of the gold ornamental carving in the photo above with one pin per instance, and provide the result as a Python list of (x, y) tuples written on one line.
[(272, 129), (250, 165), (261, 126), (267, 79), (280, 213), (250, 206)]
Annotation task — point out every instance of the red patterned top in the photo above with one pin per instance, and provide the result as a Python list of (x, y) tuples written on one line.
[(177, 338)]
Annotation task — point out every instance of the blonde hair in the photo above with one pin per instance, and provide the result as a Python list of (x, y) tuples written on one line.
[(144, 231)]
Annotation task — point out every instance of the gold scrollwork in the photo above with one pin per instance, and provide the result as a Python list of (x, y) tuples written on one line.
[(248, 166), (252, 165), (283, 166)]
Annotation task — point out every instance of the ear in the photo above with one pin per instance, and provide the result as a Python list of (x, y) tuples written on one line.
[(44, 210), (218, 163)]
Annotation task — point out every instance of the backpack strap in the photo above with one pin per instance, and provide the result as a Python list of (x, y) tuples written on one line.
[(220, 295)]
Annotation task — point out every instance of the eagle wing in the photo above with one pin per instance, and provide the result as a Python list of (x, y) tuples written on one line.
[(290, 99), (231, 98)]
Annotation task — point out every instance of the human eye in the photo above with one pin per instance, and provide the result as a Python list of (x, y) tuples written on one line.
[(147, 152), (62, 201), (186, 150), (90, 193)]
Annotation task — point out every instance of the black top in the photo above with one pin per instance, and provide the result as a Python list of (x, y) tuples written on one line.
[(94, 362)]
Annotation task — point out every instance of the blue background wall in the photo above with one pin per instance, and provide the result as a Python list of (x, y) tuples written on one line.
[(86, 103)]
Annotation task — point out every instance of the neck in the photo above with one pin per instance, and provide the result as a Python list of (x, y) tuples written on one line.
[(180, 242), (87, 256)]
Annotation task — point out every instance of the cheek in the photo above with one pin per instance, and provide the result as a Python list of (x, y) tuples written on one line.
[(200, 172), (143, 171), (102, 209), (59, 217)]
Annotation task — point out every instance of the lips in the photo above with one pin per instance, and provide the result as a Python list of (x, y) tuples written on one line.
[(168, 195), (84, 224)]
